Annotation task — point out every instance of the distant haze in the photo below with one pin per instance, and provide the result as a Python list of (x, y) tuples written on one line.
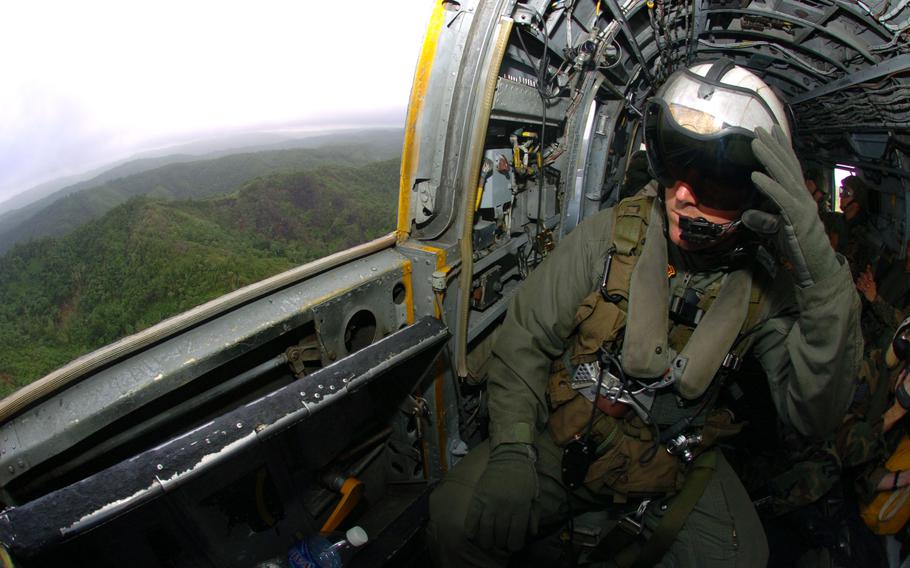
[(92, 83)]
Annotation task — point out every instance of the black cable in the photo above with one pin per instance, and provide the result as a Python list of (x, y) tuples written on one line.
[(539, 70), (585, 439), (541, 87), (525, 49), (540, 178), (544, 97), (542, 82), (649, 454), (707, 401)]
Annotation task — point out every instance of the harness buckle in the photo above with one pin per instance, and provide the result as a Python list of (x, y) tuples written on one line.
[(633, 523), (585, 375), (682, 446), (732, 362), (684, 309)]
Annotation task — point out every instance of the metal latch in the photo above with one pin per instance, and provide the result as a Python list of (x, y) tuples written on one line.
[(633, 522), (682, 446)]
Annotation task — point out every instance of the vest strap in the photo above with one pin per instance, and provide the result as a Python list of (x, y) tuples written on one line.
[(630, 225), (645, 350)]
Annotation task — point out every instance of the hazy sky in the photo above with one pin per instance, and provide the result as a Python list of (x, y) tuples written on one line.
[(86, 83)]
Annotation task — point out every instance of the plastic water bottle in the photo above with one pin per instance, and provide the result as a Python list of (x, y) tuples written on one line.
[(317, 551)]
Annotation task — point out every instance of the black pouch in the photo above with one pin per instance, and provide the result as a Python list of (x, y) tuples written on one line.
[(577, 457)]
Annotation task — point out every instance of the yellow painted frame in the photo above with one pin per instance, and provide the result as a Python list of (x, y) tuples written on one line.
[(411, 149)]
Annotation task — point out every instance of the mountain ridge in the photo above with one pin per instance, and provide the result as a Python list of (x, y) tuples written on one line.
[(187, 178), (211, 146), (148, 259)]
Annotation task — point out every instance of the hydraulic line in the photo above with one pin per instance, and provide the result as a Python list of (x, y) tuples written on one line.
[(882, 20), (745, 44), (893, 44)]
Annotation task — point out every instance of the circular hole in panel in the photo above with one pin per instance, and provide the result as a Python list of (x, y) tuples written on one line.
[(360, 331), (398, 293)]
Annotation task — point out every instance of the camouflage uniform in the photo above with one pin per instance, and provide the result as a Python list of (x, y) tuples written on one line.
[(857, 442), (815, 485), (892, 299), (856, 240)]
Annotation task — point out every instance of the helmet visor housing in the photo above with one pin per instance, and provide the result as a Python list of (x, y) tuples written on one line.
[(700, 132)]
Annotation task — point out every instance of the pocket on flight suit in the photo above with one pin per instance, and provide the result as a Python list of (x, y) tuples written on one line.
[(723, 529), (710, 533), (596, 322), (621, 469)]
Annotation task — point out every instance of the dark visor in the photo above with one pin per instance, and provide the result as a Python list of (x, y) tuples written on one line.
[(717, 166)]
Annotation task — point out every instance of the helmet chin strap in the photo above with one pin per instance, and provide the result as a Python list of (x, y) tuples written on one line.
[(700, 231)]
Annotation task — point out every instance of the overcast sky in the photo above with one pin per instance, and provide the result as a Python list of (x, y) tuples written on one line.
[(86, 83)]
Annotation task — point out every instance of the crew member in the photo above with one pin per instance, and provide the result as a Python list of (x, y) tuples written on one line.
[(889, 294), (605, 376), (817, 193), (854, 230)]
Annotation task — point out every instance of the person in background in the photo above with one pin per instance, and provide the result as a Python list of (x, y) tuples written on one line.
[(818, 194), (889, 294), (853, 229), (885, 489)]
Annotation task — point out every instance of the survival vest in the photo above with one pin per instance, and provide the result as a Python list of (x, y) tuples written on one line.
[(631, 451)]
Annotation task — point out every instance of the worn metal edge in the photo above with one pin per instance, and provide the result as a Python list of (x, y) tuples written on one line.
[(77, 368), (70, 511)]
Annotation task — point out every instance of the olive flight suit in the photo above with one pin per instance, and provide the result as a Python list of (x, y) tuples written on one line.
[(807, 341)]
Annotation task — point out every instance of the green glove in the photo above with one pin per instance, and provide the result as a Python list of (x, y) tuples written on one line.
[(800, 233), (502, 511)]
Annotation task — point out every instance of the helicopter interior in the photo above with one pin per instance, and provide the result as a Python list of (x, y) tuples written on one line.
[(340, 392)]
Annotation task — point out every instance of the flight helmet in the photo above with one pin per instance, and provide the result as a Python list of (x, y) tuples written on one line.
[(899, 349), (858, 189), (699, 128)]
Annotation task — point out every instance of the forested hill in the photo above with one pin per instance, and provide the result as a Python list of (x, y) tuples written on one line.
[(58, 215), (149, 259)]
